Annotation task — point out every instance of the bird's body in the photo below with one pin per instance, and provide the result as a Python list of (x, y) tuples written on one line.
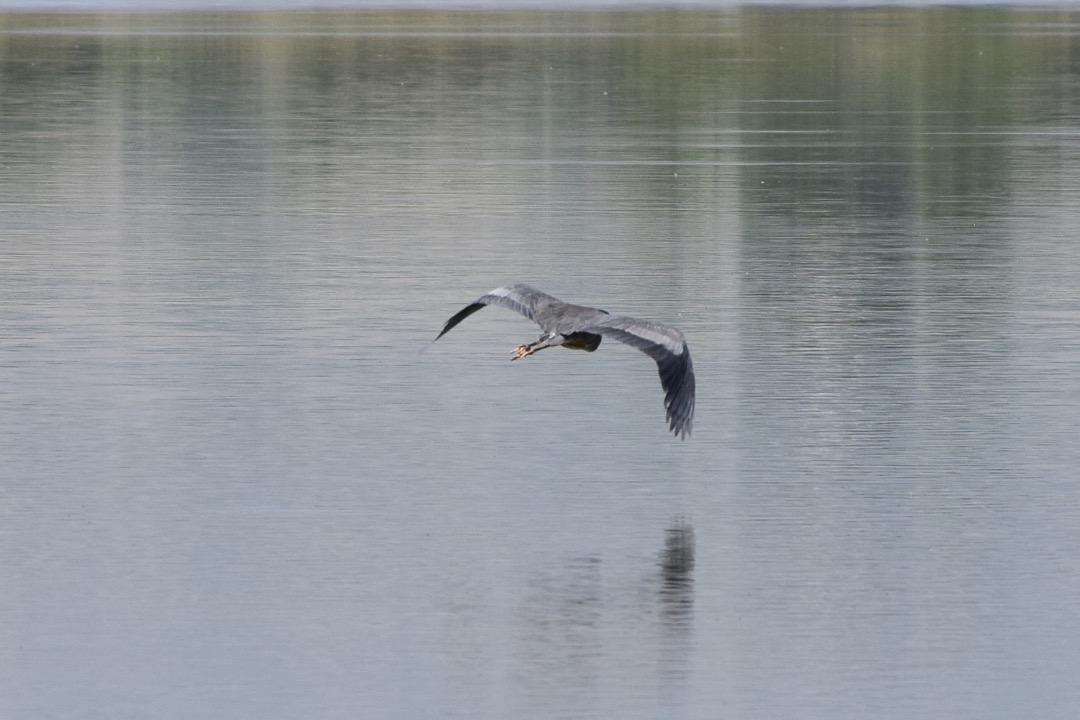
[(577, 327)]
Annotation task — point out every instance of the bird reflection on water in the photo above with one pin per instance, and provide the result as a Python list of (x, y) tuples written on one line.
[(677, 571)]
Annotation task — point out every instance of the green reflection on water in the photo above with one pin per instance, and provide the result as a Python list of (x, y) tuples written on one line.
[(924, 96)]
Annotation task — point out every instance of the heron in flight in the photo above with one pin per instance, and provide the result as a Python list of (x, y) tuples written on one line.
[(576, 327)]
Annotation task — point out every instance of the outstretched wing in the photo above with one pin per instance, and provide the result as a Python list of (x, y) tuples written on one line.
[(518, 297), (667, 347)]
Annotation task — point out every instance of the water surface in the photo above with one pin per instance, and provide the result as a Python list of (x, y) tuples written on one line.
[(233, 485)]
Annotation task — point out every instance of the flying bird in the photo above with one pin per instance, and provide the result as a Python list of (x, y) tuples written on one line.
[(577, 327)]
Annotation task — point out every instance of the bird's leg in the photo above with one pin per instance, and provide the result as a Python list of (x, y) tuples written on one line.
[(527, 350)]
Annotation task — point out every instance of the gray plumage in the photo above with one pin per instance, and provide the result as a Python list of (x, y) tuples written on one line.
[(577, 327)]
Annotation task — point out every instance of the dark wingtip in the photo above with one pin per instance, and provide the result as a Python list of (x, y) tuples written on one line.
[(682, 429), (461, 315), (680, 387)]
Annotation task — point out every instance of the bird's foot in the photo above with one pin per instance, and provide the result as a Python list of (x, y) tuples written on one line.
[(521, 351)]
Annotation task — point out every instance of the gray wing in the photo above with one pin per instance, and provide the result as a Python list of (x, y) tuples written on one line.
[(518, 297), (667, 347)]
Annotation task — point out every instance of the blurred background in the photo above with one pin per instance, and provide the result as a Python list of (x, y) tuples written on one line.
[(231, 484)]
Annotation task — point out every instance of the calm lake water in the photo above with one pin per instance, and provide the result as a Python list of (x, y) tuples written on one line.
[(234, 484)]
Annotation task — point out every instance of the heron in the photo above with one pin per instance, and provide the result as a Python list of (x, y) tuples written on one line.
[(577, 327)]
